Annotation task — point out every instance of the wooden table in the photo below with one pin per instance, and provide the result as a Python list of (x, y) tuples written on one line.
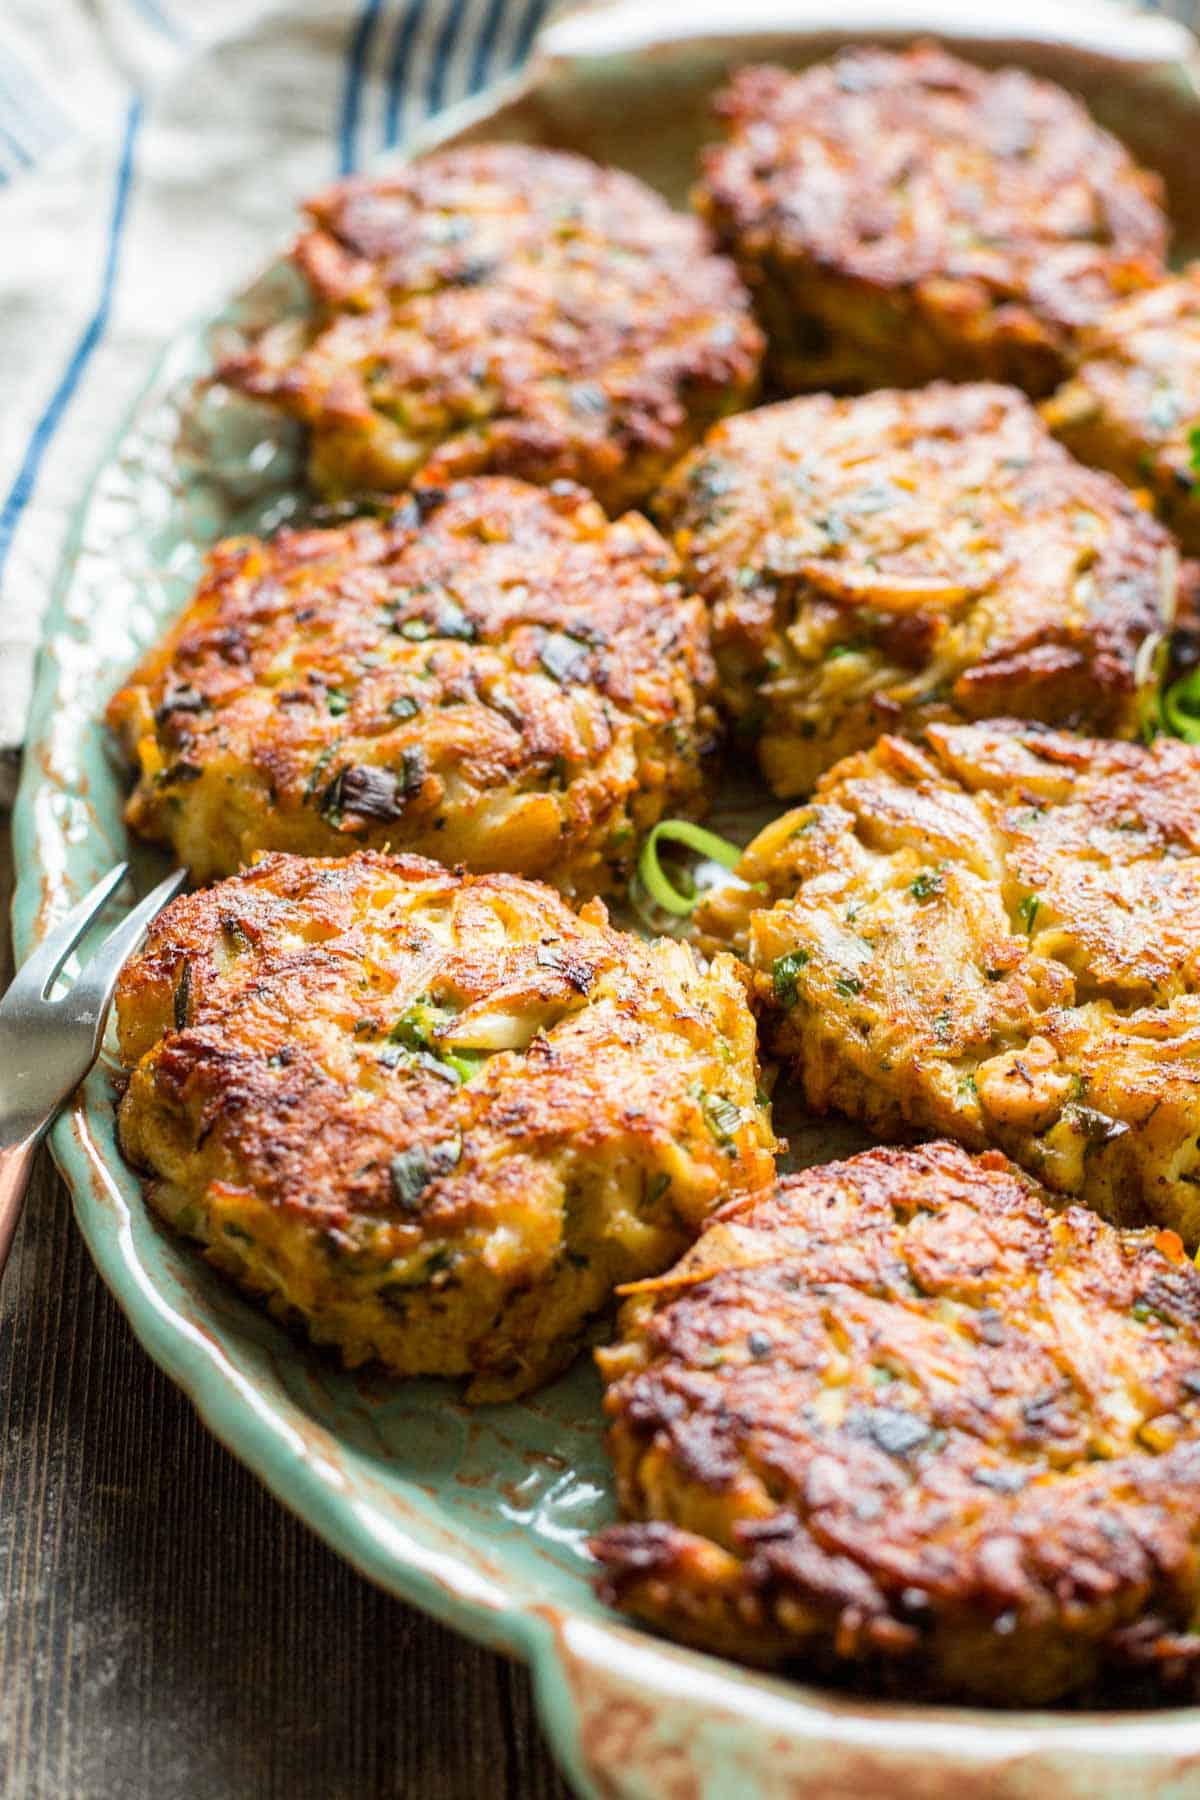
[(167, 1631)]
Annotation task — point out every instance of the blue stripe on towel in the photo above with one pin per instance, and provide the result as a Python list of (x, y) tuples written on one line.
[(450, 33), (402, 49), (356, 67), (481, 67), (33, 119), (14, 148), (26, 477), (158, 16), (443, 52), (535, 12)]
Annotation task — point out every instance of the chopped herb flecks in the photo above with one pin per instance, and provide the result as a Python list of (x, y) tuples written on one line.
[(183, 996), (412, 1171), (319, 768), (1028, 911), (374, 793), (564, 658), (656, 1187), (784, 971), (413, 1040), (721, 1116)]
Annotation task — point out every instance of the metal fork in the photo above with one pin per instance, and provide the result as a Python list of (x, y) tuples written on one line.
[(47, 1046)]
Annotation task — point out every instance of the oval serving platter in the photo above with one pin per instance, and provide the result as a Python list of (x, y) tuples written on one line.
[(480, 1516)]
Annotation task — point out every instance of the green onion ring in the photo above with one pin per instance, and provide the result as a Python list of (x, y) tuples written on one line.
[(693, 837), (1181, 707)]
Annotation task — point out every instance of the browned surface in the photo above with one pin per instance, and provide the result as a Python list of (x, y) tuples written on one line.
[(1134, 402), (508, 309), (496, 676), (899, 1414), (901, 217), (434, 1118), (996, 936), (879, 562), (168, 1629)]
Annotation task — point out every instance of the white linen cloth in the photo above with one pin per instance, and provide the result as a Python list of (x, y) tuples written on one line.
[(151, 156)]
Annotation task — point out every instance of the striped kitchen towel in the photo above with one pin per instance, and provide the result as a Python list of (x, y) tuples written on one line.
[(151, 154)]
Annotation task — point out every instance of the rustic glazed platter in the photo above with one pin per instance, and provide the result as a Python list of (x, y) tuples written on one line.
[(481, 1517)]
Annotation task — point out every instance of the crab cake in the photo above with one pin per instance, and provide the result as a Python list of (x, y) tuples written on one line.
[(901, 1417), (509, 310), (496, 676), (432, 1117), (1133, 404), (900, 217), (995, 935), (876, 563)]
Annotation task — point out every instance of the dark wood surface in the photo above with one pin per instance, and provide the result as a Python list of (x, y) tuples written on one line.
[(167, 1631)]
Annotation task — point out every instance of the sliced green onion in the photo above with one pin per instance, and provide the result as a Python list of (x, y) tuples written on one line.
[(413, 1170), (692, 837), (1181, 707), (721, 1116), (1149, 671), (183, 996), (465, 1063), (785, 972)]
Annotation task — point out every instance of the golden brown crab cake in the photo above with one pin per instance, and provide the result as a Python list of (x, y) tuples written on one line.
[(995, 935), (434, 1118), (1133, 404), (876, 563), (500, 308), (496, 676), (900, 1417), (899, 217)]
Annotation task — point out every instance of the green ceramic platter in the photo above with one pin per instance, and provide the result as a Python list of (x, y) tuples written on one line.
[(480, 1517)]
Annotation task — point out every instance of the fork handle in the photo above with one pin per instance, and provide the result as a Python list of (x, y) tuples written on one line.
[(16, 1161)]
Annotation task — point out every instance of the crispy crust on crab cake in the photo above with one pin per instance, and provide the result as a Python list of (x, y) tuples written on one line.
[(433, 1118), (497, 676), (995, 936), (1133, 404), (506, 309), (901, 1417), (901, 217), (876, 563)]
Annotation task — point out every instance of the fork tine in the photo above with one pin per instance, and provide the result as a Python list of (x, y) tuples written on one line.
[(39, 969), (87, 1002)]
